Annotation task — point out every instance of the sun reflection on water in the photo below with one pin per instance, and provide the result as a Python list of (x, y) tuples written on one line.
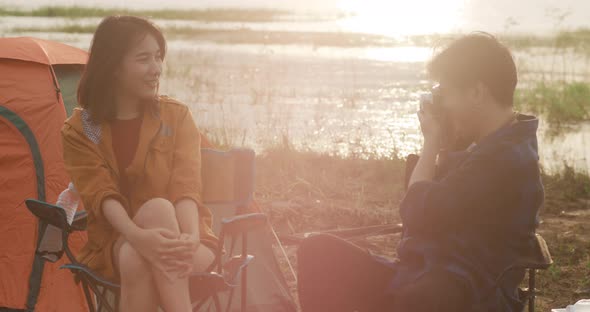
[(396, 18)]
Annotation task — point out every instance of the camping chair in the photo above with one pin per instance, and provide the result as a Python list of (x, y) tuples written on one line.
[(228, 180)]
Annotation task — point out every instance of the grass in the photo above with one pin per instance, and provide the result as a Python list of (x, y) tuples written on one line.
[(242, 36), (578, 39), (562, 104), (208, 15), (313, 191), (565, 189)]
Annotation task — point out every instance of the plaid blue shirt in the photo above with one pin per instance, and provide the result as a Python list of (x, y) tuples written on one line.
[(476, 217)]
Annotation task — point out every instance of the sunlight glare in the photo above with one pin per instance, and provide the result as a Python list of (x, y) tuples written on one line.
[(396, 18)]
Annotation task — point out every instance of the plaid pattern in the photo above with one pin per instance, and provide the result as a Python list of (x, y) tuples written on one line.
[(477, 217), (91, 130)]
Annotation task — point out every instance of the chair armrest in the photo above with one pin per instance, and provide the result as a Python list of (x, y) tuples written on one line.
[(51, 214), (82, 269), (206, 283), (538, 257), (243, 223), (80, 221), (347, 234), (234, 267)]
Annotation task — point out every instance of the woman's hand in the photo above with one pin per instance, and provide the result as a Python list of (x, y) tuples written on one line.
[(189, 257), (182, 259), (161, 247)]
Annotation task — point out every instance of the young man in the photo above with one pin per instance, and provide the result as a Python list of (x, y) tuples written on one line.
[(466, 221)]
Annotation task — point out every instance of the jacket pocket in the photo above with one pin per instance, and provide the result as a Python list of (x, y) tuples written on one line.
[(163, 145)]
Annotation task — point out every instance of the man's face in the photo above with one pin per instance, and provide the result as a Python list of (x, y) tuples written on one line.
[(459, 106)]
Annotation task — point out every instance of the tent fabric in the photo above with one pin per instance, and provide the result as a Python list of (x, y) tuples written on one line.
[(40, 51), (31, 117)]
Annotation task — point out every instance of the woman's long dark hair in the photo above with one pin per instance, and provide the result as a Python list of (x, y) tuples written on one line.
[(113, 38)]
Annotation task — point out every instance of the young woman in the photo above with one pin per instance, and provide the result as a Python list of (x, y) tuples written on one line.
[(134, 158)]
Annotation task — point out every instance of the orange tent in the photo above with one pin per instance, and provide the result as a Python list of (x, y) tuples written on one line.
[(37, 86)]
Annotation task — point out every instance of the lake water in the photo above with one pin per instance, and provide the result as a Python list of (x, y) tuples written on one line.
[(349, 101)]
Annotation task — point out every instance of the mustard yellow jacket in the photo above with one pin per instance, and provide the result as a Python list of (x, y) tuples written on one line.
[(167, 164)]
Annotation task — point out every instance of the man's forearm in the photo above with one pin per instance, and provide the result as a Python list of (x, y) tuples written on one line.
[(425, 168), (187, 214)]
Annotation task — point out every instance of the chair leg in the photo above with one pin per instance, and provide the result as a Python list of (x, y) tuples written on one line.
[(200, 304), (89, 300), (102, 299), (230, 299), (117, 300), (244, 274), (217, 303), (532, 291)]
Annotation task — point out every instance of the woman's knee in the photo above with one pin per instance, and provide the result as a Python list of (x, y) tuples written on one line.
[(133, 268), (157, 212)]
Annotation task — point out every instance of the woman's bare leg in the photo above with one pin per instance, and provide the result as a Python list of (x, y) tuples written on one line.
[(138, 291), (173, 292), (203, 258)]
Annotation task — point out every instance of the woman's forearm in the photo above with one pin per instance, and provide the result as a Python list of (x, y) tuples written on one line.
[(187, 214), (115, 213)]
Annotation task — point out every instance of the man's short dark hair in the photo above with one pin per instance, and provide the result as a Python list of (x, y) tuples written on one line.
[(474, 58)]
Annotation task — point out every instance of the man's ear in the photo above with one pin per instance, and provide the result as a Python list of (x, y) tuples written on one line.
[(479, 94)]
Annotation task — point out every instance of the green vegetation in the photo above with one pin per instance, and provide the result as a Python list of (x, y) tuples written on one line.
[(578, 40), (243, 36), (562, 104), (566, 186), (209, 15)]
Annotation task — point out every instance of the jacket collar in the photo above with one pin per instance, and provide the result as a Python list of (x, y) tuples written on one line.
[(101, 135)]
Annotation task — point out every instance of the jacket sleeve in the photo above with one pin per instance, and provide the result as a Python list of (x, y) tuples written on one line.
[(186, 172), (473, 190), (89, 172)]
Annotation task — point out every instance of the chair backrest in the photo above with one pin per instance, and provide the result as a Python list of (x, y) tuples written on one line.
[(228, 176)]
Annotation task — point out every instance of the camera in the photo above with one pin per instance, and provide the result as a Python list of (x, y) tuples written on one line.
[(432, 101)]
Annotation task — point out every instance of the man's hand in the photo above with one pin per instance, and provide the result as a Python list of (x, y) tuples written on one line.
[(431, 129)]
